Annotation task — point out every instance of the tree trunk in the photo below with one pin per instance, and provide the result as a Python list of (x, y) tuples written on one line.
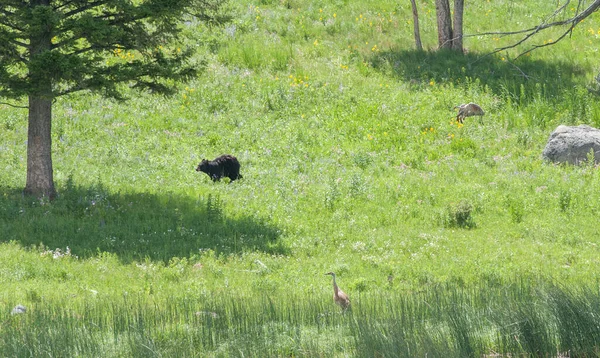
[(416, 25), (444, 22), (40, 180), (457, 41)]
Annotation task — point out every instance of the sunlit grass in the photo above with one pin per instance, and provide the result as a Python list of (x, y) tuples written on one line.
[(445, 236), (516, 317)]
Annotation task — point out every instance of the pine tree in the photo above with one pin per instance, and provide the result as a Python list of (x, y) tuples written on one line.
[(52, 48)]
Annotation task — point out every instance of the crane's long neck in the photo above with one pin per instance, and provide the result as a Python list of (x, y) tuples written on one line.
[(335, 286)]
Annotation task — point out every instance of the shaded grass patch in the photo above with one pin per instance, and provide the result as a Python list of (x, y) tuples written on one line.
[(135, 226)]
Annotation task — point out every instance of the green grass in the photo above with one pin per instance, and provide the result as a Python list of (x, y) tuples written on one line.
[(442, 321), (450, 241)]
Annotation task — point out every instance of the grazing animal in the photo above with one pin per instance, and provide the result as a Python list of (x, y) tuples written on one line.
[(339, 297), (468, 110), (223, 166)]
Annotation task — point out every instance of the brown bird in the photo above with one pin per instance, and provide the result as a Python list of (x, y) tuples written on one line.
[(468, 110), (339, 297)]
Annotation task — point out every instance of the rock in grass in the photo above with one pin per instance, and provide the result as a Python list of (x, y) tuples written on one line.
[(207, 313), (573, 144), (18, 309)]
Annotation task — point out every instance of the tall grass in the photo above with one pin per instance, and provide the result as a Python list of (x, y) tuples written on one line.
[(520, 317), (450, 240)]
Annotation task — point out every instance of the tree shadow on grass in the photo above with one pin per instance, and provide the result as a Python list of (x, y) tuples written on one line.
[(133, 226), (522, 80)]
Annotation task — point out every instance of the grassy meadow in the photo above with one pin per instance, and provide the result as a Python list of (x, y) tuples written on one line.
[(451, 240)]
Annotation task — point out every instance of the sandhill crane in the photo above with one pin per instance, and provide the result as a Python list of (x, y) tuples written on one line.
[(468, 110), (339, 297)]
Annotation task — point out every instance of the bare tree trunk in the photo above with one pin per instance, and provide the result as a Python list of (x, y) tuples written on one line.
[(444, 22), (457, 41), (40, 177), (39, 148), (416, 25)]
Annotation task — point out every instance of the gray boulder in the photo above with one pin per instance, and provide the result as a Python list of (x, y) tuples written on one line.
[(18, 310), (572, 144)]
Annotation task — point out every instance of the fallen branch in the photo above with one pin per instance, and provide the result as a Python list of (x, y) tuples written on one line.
[(546, 24)]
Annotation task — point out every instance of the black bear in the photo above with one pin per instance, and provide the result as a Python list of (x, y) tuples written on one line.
[(223, 166)]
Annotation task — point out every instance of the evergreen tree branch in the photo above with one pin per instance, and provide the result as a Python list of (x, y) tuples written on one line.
[(9, 25), (116, 20), (142, 75), (13, 105), (18, 43), (12, 52), (64, 5), (6, 12), (83, 8), (85, 31)]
